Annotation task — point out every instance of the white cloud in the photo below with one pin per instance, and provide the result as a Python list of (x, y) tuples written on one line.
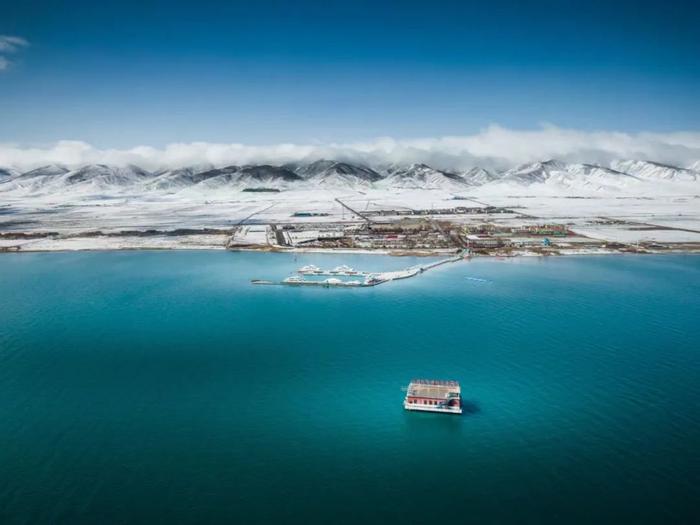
[(492, 147), (10, 44)]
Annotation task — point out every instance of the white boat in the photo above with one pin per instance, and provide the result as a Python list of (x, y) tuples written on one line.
[(431, 395), (309, 269), (344, 269)]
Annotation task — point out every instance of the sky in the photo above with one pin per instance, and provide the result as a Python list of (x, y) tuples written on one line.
[(124, 75)]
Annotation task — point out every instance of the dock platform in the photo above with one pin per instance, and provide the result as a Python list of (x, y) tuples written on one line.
[(361, 278)]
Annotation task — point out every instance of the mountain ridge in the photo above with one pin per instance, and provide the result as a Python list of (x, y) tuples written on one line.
[(619, 175)]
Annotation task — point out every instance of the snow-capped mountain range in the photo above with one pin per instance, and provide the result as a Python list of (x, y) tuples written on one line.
[(624, 175)]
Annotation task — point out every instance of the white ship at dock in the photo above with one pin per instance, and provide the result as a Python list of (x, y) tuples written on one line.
[(298, 280), (310, 269), (343, 269), (362, 279), (431, 395)]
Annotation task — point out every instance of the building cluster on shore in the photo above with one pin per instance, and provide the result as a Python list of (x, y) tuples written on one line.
[(387, 228), (409, 235)]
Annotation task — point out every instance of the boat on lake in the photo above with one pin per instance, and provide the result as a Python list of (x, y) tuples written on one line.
[(432, 395), (261, 281), (344, 269), (309, 269)]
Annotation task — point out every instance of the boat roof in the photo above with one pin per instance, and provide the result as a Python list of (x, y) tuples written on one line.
[(435, 382), (433, 388)]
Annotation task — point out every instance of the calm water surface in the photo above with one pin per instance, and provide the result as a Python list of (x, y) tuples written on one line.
[(162, 387)]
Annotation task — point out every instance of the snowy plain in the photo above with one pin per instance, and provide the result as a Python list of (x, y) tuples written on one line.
[(103, 207)]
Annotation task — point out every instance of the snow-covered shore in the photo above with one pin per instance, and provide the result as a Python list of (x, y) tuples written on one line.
[(104, 208)]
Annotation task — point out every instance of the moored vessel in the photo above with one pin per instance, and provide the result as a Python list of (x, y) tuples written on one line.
[(310, 269), (261, 281), (344, 269)]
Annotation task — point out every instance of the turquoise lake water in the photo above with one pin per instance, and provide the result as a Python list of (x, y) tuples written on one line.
[(161, 387)]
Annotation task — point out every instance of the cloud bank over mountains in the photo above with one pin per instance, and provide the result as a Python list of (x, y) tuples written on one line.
[(494, 147)]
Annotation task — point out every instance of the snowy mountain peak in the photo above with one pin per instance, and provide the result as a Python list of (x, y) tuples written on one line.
[(329, 171), (334, 174), (50, 170), (266, 172), (554, 164), (550, 176), (181, 177), (240, 177), (102, 175), (655, 171), (528, 173), (421, 176), (479, 176), (557, 174), (7, 172), (314, 168)]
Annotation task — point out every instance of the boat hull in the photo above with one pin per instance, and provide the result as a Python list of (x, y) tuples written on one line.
[(431, 408)]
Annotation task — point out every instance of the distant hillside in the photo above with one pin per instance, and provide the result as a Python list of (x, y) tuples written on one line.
[(550, 175)]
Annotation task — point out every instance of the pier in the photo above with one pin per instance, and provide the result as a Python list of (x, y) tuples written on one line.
[(338, 270), (368, 278), (425, 267)]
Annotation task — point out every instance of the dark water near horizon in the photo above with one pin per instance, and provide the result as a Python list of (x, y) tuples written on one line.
[(161, 387)]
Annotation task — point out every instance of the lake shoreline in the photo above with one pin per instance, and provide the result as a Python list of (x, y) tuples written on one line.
[(693, 250)]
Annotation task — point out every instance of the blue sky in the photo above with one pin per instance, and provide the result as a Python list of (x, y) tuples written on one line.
[(154, 73)]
